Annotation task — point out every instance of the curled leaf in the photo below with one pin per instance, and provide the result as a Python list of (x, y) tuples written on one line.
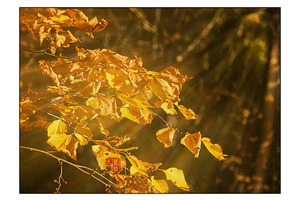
[(166, 136), (64, 143), (176, 176), (57, 127), (104, 105), (137, 166), (192, 142), (187, 113), (167, 106), (214, 149), (82, 140), (139, 115), (84, 131)]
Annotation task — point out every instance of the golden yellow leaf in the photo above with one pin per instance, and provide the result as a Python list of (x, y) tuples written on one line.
[(132, 101), (61, 19), (166, 136), (104, 105), (137, 166), (81, 112), (47, 70), (172, 74), (116, 141), (139, 115), (214, 149), (64, 143), (192, 142), (108, 160), (163, 89), (176, 176), (160, 185), (119, 80), (187, 113), (61, 90), (84, 131), (64, 110), (167, 106), (82, 140), (27, 106), (57, 127)]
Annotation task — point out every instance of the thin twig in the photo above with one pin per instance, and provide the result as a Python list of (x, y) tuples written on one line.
[(65, 161), (60, 178), (45, 53)]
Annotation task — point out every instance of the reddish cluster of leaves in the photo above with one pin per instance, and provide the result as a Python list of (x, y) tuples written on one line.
[(100, 83)]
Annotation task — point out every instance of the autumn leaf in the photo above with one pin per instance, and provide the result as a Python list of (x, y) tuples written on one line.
[(57, 127), (84, 131), (192, 142), (138, 115), (214, 149), (116, 141), (163, 89), (173, 75), (187, 113), (27, 106), (167, 106), (104, 105), (137, 166), (81, 113), (64, 143), (61, 90), (134, 102), (176, 176), (82, 140), (160, 185), (119, 80), (166, 136)]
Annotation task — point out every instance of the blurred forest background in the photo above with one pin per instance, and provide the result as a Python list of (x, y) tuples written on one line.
[(233, 55)]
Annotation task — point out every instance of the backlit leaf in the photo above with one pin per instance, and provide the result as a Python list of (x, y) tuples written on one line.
[(187, 113), (137, 166), (192, 142), (163, 89), (84, 131), (176, 176), (134, 102), (113, 141), (214, 149), (64, 143), (82, 140), (160, 185), (166, 136), (57, 127), (116, 141), (167, 106), (139, 115), (104, 105)]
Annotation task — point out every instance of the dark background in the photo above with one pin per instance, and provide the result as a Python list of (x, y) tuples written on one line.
[(233, 55)]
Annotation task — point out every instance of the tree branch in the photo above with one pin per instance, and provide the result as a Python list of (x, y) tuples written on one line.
[(79, 167)]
